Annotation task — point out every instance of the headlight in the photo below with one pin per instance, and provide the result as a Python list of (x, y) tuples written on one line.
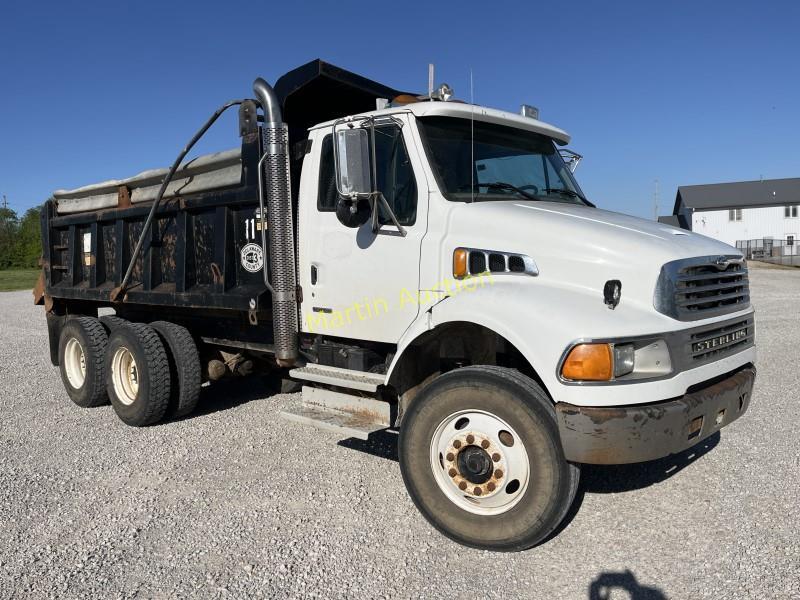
[(624, 359), (608, 361)]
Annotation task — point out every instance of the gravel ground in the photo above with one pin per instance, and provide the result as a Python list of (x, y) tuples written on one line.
[(236, 502)]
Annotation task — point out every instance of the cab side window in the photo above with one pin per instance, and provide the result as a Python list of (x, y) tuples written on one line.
[(327, 196), (395, 177)]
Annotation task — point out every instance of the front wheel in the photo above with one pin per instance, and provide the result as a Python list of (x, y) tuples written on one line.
[(482, 460)]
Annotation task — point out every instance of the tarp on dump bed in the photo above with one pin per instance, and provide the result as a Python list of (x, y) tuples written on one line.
[(207, 172)]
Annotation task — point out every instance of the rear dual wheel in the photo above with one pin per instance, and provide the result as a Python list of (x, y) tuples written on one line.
[(184, 367), (81, 359), (482, 460), (137, 374), (148, 372)]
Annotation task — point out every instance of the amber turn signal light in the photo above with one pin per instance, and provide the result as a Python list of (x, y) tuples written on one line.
[(460, 263), (589, 362)]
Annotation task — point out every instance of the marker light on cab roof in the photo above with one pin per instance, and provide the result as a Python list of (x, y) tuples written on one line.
[(531, 112)]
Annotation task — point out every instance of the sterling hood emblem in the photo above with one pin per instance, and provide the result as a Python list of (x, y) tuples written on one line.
[(722, 262)]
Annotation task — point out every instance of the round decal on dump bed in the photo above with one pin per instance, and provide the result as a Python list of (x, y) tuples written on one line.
[(252, 258)]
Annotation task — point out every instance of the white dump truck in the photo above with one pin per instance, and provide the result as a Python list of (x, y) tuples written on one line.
[(421, 265)]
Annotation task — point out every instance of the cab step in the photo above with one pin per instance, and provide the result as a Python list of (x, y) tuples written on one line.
[(346, 378), (348, 414)]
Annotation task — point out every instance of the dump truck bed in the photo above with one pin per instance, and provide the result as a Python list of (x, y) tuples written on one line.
[(194, 254)]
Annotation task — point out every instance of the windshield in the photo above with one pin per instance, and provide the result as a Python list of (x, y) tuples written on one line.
[(501, 162)]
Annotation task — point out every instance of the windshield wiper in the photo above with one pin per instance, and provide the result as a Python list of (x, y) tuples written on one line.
[(566, 192), (502, 185)]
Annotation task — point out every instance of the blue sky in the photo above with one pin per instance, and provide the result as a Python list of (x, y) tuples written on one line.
[(682, 92)]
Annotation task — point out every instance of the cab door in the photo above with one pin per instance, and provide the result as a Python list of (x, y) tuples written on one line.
[(358, 283)]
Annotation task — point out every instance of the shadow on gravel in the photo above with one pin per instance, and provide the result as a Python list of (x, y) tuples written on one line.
[(610, 583), (382, 444), (602, 479), (595, 479), (230, 393)]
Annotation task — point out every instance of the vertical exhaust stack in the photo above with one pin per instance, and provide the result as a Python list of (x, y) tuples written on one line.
[(278, 200)]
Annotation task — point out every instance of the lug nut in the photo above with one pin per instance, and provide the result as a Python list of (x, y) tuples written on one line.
[(485, 444), (470, 438), (457, 444), (496, 457), (490, 486), (462, 485), (450, 456), (498, 474), (477, 491), (452, 472)]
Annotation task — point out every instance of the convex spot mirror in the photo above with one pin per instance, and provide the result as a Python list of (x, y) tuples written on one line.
[(353, 213)]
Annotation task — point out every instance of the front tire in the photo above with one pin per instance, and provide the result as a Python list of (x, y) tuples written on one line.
[(482, 460), (137, 375)]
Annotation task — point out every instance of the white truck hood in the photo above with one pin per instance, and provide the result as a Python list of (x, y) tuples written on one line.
[(580, 247)]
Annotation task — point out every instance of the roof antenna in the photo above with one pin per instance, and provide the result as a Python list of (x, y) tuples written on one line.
[(655, 200), (430, 81)]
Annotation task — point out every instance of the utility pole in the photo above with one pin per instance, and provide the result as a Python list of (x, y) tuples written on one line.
[(655, 202), (5, 202)]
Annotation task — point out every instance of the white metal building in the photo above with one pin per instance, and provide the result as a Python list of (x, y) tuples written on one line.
[(747, 210)]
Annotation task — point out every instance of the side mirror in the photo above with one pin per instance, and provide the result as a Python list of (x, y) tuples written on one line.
[(353, 163), (353, 160)]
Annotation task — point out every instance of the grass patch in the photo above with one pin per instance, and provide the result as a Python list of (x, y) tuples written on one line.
[(18, 279)]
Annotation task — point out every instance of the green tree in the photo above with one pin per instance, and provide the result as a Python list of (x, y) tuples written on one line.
[(9, 225), (20, 239), (28, 241)]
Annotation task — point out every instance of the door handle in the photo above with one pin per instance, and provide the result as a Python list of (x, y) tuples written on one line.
[(313, 274)]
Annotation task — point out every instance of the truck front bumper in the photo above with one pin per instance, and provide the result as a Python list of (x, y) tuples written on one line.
[(629, 434)]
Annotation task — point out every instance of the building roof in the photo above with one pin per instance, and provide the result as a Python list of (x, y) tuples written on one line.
[(739, 194), (676, 221), (670, 220)]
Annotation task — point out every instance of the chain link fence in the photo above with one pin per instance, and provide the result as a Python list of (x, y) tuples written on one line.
[(777, 252)]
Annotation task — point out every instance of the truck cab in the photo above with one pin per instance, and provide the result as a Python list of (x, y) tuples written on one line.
[(452, 283)]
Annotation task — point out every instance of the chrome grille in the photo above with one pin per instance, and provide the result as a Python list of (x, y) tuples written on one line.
[(703, 287), (721, 341), (691, 348)]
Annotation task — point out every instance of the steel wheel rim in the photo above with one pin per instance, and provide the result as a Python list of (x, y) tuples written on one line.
[(457, 436), (125, 376), (75, 363)]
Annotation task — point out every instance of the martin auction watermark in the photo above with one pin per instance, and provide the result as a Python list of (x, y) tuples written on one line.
[(321, 318)]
